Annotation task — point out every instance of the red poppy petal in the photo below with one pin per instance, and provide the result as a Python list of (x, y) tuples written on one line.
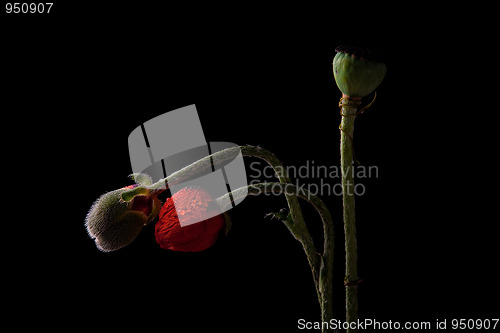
[(192, 238)]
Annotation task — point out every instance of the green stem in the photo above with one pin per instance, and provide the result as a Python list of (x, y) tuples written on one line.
[(349, 108)]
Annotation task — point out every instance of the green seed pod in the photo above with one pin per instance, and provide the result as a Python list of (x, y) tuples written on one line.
[(358, 72), (115, 223)]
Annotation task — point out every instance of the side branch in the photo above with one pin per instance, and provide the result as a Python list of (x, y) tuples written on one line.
[(326, 267)]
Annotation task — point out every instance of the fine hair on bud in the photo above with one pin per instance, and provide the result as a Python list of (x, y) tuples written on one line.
[(111, 222)]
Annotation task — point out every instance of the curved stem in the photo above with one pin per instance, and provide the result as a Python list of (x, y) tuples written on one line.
[(321, 265), (296, 224), (349, 109)]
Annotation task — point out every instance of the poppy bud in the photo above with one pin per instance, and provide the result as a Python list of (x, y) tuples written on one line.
[(358, 72), (191, 203), (115, 223)]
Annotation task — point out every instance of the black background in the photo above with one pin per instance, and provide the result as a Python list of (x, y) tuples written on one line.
[(76, 83)]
